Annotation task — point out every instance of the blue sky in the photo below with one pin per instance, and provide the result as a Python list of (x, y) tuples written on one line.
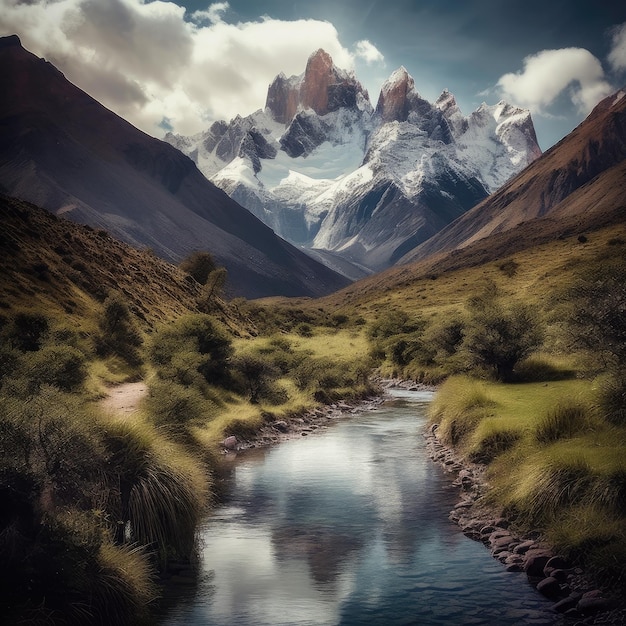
[(187, 63)]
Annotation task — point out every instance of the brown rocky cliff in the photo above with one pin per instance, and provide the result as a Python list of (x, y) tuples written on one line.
[(394, 100), (322, 88)]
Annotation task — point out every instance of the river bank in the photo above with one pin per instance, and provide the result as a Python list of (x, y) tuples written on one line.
[(277, 430), (573, 593)]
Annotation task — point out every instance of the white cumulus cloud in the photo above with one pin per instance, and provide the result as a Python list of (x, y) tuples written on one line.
[(149, 61), (617, 56), (549, 73), (368, 52)]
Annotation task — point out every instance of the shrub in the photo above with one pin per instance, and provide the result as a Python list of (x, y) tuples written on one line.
[(499, 336), (170, 403), (50, 439), (196, 338), (257, 375), (118, 332), (27, 331), (597, 319), (509, 268), (304, 330), (9, 359), (198, 265), (396, 323), (59, 366), (447, 337)]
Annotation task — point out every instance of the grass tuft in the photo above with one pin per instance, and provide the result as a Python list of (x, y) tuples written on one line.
[(565, 420)]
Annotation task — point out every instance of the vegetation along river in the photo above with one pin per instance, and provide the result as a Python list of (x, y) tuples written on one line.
[(349, 526)]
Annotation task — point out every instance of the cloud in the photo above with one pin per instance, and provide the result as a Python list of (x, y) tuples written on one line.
[(213, 14), (150, 61), (368, 52), (550, 73), (617, 56)]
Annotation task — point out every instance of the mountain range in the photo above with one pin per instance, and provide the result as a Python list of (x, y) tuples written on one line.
[(62, 150), (352, 182), (405, 181)]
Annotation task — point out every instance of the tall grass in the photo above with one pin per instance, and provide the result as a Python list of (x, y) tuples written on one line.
[(564, 420), (459, 406), (125, 586), (157, 489)]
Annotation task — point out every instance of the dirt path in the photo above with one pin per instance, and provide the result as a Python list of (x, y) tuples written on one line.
[(123, 400)]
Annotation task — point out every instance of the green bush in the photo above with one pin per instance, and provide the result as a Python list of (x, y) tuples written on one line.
[(597, 319), (172, 404), (118, 332), (396, 323), (27, 331), (447, 337), (257, 376), (60, 366), (498, 336), (197, 339)]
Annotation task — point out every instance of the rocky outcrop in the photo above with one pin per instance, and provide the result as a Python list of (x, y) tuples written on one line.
[(323, 88)]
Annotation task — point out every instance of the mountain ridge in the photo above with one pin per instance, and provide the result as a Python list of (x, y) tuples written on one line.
[(64, 151), (585, 156), (328, 171)]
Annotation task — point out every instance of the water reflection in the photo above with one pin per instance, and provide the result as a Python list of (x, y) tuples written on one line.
[(348, 527)]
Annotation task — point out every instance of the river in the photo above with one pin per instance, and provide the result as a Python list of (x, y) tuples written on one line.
[(349, 526)]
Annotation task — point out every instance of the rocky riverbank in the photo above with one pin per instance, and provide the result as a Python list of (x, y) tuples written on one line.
[(573, 594), (275, 431)]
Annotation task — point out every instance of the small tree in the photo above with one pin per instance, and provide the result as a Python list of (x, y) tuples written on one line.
[(258, 374), (118, 333), (500, 336), (199, 265), (212, 289)]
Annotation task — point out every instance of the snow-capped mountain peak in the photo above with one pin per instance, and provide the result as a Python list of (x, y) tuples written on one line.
[(325, 170)]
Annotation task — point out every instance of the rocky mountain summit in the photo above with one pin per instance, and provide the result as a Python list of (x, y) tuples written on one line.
[(359, 186)]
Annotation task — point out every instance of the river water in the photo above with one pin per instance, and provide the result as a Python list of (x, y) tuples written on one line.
[(349, 526)]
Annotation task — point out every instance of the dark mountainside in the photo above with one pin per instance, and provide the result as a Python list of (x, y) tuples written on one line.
[(580, 180), (62, 150)]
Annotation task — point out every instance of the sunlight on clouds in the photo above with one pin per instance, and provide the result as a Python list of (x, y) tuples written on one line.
[(147, 62), (617, 56), (549, 73)]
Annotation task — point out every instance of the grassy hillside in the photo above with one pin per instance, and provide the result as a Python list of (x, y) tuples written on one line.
[(114, 501), (96, 507), (553, 433)]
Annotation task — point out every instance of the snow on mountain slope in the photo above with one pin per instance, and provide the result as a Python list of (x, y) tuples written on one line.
[(326, 170)]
